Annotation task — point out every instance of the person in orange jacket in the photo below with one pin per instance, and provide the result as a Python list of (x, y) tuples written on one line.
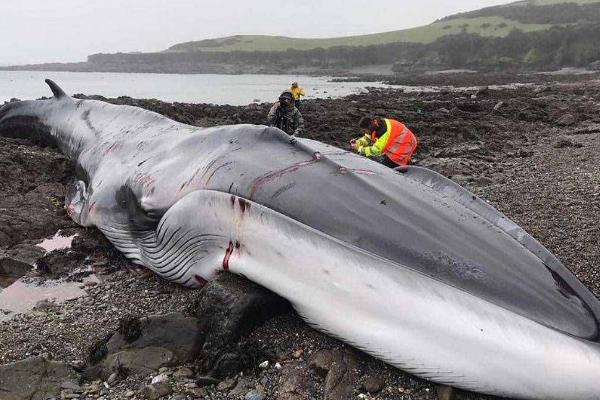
[(387, 137)]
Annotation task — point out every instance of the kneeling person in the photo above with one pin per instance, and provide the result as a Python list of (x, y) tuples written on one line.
[(387, 137)]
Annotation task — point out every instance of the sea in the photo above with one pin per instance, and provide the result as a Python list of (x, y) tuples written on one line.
[(197, 88)]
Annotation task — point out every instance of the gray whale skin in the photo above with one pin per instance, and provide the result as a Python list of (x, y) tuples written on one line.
[(405, 265)]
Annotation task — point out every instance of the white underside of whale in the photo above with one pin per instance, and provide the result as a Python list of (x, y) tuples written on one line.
[(410, 320)]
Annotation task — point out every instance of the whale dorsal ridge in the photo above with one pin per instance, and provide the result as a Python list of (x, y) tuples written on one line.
[(56, 90)]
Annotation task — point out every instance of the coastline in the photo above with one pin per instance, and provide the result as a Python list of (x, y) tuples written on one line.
[(528, 151)]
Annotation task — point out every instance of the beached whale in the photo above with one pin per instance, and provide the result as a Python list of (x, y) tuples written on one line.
[(405, 265)]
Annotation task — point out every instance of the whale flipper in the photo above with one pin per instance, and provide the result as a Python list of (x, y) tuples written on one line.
[(56, 90)]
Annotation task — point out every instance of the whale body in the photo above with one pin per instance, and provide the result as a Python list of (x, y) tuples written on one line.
[(405, 265)]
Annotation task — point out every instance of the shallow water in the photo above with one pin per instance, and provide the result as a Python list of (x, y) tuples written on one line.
[(18, 295), (22, 295), (57, 242), (199, 88)]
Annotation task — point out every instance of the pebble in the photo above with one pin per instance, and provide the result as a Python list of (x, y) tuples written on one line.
[(156, 390), (226, 384), (254, 395), (160, 378), (183, 372), (263, 364), (112, 378), (206, 381), (373, 384), (297, 353), (198, 392)]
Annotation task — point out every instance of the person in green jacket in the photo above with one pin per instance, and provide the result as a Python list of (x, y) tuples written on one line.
[(285, 116), (388, 138)]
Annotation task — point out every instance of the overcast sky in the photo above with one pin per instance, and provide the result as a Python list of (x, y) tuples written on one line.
[(35, 31)]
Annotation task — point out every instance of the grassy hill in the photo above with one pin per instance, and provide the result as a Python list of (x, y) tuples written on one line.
[(526, 35), (484, 26), (499, 21)]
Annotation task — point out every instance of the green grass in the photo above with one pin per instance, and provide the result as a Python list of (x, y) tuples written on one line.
[(484, 26), (550, 2)]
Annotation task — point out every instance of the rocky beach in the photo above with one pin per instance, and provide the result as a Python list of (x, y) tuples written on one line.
[(117, 331)]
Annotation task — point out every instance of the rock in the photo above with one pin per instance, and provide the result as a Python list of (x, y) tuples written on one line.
[(524, 153), (462, 180), (468, 106), (342, 375), (72, 386), (373, 384), (445, 392), (498, 106), (566, 120), (443, 110), (226, 384), (19, 260), (34, 378), (160, 378), (483, 90), (161, 341), (449, 166), (183, 372), (292, 396), (130, 328), (483, 181), (542, 89), (139, 361), (228, 308), (263, 365), (254, 395), (155, 391), (242, 386), (202, 381), (60, 263), (198, 392), (68, 395), (112, 378), (321, 362), (294, 382), (564, 142)]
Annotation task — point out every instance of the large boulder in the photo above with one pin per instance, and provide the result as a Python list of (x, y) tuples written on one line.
[(230, 307), (19, 260), (35, 378), (143, 345)]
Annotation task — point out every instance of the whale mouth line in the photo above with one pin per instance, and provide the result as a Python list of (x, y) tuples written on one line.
[(27, 127)]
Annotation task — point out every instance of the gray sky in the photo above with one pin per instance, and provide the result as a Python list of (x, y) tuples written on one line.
[(35, 31)]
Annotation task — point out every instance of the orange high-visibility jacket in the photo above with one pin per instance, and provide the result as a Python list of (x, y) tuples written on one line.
[(397, 142)]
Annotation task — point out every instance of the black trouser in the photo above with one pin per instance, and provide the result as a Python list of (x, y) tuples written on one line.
[(385, 160), (297, 103)]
